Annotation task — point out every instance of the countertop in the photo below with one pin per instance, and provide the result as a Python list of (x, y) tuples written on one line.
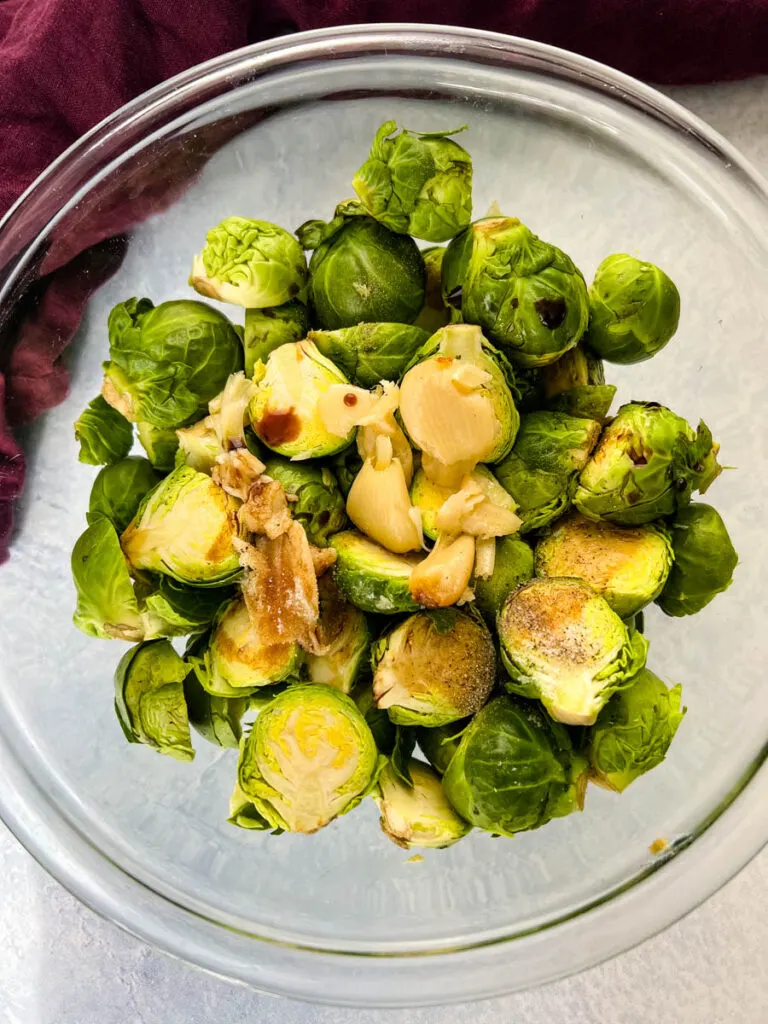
[(61, 964)]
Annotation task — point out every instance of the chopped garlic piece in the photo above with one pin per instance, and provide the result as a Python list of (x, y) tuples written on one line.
[(485, 557)]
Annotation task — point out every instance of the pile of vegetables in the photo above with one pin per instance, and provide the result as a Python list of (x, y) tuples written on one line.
[(391, 510)]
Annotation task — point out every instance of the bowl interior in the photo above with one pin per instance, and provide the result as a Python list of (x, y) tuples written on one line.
[(583, 169)]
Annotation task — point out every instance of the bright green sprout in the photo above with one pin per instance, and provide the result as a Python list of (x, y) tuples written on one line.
[(104, 434), (705, 560)]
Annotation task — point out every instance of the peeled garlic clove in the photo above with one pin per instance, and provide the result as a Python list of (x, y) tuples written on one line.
[(379, 505), (342, 406), (443, 577)]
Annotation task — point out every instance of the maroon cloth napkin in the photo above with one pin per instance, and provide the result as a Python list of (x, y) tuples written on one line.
[(66, 64)]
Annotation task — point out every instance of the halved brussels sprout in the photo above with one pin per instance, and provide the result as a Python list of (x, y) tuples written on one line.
[(369, 353), (106, 604), (361, 272), (160, 444), (456, 405), (514, 769), (513, 565), (309, 758), (284, 412), (434, 668), (419, 814), (217, 719), (441, 742), (118, 489), (268, 329), (185, 528), (592, 401), (562, 644), (104, 434), (646, 464), (417, 183), (434, 313), (252, 263), (235, 662), (167, 362), (634, 310), (371, 577), (171, 608), (526, 294), (633, 731), (343, 640), (430, 498), (149, 699), (628, 565), (575, 384), (705, 560), (314, 495), (541, 470)]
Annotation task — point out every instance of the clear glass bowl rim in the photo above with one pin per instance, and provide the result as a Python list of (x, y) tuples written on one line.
[(674, 885)]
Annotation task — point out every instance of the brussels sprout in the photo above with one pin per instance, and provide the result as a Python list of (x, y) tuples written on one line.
[(419, 814), (118, 489), (160, 444), (430, 498), (634, 310), (343, 640), (251, 263), (149, 699), (167, 362), (575, 384), (591, 402), (434, 313), (562, 644), (705, 560), (371, 577), (439, 744), (106, 604), (268, 329), (185, 528), (385, 733), (284, 412), (369, 353), (526, 294), (513, 565), (514, 769), (628, 565), (173, 609), (633, 731), (243, 813), (309, 758), (456, 405), (434, 668), (361, 272), (217, 719), (315, 498), (417, 183), (345, 467), (646, 464), (541, 470), (104, 434), (234, 662)]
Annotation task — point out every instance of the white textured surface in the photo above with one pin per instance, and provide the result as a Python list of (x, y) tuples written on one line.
[(62, 965)]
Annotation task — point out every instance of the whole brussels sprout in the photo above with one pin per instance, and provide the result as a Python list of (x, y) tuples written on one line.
[(251, 263), (284, 411), (562, 644), (149, 699), (118, 489), (160, 444), (216, 719), (456, 404), (361, 272), (104, 434), (633, 731), (185, 528), (234, 662), (420, 814), (268, 329), (541, 471), (309, 758), (344, 640), (417, 183), (371, 577), (513, 565), (575, 384), (369, 353), (704, 563), (646, 464), (634, 310), (514, 769), (106, 603), (434, 313), (526, 294), (441, 742), (167, 362), (171, 608), (628, 565), (315, 498), (434, 668)]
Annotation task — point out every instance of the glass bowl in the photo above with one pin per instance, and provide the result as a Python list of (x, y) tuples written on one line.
[(591, 160)]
